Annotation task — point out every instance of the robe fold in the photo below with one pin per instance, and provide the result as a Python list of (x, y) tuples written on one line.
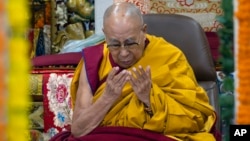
[(181, 108)]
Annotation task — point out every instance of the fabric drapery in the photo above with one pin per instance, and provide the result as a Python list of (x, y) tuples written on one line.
[(175, 95)]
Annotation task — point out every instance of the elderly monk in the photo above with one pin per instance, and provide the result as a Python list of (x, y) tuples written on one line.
[(137, 86)]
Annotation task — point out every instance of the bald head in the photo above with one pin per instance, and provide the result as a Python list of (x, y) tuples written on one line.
[(123, 26), (123, 11)]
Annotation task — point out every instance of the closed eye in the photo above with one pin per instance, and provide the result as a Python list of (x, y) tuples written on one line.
[(130, 44), (114, 45)]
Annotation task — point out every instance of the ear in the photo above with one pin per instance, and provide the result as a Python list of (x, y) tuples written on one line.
[(144, 28)]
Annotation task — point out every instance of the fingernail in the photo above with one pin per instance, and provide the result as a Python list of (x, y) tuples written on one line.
[(129, 72), (124, 71), (128, 78)]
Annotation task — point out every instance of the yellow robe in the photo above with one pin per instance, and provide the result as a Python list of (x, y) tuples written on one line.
[(181, 107)]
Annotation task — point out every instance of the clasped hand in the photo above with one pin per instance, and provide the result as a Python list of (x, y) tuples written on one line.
[(139, 79)]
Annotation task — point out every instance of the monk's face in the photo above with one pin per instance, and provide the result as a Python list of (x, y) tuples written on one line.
[(125, 40)]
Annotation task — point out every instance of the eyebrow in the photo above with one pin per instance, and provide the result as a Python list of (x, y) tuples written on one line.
[(125, 41)]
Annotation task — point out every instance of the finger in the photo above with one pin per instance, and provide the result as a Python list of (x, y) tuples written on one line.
[(122, 81), (113, 72), (121, 76), (136, 72), (143, 73), (132, 80), (148, 71)]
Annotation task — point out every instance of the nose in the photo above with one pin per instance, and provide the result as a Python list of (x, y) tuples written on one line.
[(124, 52)]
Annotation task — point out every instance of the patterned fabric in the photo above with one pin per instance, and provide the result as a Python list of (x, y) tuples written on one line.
[(36, 115), (203, 11), (36, 32), (35, 135), (40, 50), (59, 98), (47, 40), (36, 122), (36, 84), (57, 102), (54, 113)]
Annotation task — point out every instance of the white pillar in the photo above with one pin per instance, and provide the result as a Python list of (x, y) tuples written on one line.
[(100, 7)]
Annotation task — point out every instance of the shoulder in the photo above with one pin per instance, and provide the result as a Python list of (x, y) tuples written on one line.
[(160, 44), (94, 49)]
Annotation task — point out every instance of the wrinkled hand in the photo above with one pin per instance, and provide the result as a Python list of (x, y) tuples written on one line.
[(140, 80), (115, 83)]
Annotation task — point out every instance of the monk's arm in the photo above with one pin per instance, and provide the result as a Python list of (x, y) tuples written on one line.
[(88, 115)]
